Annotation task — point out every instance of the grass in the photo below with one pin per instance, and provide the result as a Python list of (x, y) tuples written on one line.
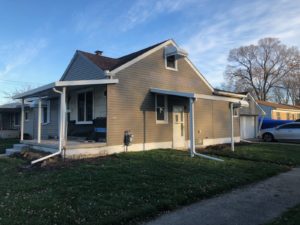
[(291, 217), (286, 154), (7, 143), (121, 189)]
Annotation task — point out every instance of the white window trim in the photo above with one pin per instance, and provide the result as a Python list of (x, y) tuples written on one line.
[(166, 121), (48, 113), (93, 110), (170, 68)]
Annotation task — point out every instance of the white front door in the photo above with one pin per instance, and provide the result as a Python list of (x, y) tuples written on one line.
[(178, 127)]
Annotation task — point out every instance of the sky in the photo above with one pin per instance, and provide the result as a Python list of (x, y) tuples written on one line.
[(39, 38)]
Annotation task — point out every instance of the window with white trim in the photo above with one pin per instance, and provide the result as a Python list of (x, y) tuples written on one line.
[(46, 112), (85, 103), (161, 108), (171, 62)]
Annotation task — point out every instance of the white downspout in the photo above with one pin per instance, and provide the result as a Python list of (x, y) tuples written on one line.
[(61, 124), (192, 134)]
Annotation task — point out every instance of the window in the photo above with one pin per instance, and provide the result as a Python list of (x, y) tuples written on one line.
[(85, 107), (278, 115), (235, 112), (290, 126), (17, 119), (26, 116), (161, 106), (171, 62), (46, 112), (288, 116)]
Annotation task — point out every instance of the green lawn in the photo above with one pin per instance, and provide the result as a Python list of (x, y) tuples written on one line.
[(277, 153), (120, 189), (291, 217), (7, 143)]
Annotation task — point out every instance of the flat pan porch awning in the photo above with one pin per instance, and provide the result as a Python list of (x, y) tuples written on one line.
[(43, 90), (199, 96)]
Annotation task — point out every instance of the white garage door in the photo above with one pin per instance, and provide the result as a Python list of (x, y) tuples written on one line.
[(247, 127)]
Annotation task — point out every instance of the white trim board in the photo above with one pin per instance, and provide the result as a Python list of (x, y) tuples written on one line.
[(66, 84)]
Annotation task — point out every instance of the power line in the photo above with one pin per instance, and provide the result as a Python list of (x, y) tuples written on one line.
[(20, 82)]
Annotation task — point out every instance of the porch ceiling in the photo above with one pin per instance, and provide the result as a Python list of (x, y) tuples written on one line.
[(47, 90)]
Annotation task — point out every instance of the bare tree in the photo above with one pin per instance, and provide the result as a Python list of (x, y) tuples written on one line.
[(260, 68), (10, 94)]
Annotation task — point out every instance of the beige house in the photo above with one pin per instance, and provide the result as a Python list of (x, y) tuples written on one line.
[(277, 111), (156, 94)]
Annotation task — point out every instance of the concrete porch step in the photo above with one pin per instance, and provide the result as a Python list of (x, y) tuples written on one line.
[(10, 151), (21, 147)]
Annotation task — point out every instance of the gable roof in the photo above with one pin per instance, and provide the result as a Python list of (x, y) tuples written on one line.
[(107, 63), (277, 105)]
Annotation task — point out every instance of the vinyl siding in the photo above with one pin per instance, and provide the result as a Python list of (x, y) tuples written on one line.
[(132, 107), (82, 69), (50, 129)]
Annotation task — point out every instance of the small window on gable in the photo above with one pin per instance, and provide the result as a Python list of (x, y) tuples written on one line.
[(161, 108), (171, 62)]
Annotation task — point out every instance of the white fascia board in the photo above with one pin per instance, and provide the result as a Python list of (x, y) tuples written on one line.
[(220, 98), (135, 60), (65, 84), (35, 90), (174, 93), (85, 82), (231, 94)]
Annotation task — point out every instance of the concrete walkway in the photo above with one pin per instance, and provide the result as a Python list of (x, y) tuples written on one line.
[(254, 204)]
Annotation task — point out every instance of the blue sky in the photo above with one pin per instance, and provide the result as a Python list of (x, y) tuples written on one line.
[(38, 38)]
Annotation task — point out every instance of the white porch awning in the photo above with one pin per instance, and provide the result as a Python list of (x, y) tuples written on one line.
[(48, 87)]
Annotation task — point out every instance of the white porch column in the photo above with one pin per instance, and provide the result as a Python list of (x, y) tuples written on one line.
[(22, 120), (232, 126), (63, 116), (192, 129), (39, 121)]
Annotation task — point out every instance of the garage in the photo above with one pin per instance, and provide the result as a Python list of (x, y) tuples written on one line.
[(248, 126)]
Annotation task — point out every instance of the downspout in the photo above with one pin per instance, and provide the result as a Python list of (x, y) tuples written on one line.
[(61, 130), (192, 135)]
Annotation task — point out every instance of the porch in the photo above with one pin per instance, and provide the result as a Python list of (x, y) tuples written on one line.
[(74, 120)]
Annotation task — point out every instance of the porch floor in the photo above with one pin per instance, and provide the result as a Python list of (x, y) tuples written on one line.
[(69, 144)]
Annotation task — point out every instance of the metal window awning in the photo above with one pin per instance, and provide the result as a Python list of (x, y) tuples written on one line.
[(48, 87), (199, 96), (173, 50)]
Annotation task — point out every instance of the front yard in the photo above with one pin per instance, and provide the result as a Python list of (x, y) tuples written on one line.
[(120, 189), (286, 154)]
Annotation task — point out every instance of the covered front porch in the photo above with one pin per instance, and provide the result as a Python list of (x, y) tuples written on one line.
[(68, 115)]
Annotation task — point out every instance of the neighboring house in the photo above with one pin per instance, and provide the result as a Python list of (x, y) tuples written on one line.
[(156, 94), (277, 111), (10, 120)]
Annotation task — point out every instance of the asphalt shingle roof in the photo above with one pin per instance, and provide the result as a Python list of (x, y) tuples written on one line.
[(107, 63)]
